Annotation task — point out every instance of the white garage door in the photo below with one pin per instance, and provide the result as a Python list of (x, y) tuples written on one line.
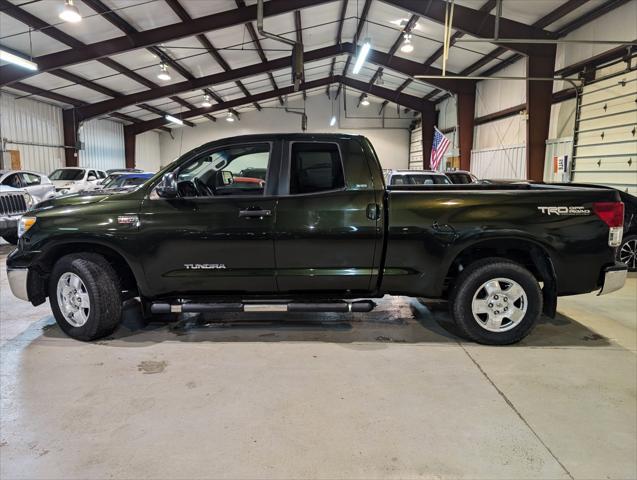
[(415, 149), (606, 133)]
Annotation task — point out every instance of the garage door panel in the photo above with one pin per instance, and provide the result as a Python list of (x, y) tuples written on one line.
[(625, 118), (607, 149), (608, 135), (611, 106)]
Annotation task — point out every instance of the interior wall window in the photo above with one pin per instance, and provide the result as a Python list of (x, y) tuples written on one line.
[(315, 167), (240, 170)]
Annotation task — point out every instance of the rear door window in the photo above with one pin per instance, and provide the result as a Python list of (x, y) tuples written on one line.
[(315, 167)]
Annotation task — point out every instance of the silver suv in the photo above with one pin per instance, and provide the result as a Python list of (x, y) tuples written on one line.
[(14, 202)]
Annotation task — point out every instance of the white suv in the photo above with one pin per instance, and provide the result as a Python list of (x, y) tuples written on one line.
[(415, 177), (75, 179)]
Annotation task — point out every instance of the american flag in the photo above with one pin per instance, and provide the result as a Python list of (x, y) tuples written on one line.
[(438, 149)]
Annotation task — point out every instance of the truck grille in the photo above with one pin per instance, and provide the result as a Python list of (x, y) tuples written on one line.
[(12, 204)]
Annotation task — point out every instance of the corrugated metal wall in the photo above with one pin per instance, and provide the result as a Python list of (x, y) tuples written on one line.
[(499, 163), (103, 144), (30, 121), (147, 153)]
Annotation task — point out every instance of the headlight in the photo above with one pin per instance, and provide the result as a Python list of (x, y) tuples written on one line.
[(25, 224), (29, 200)]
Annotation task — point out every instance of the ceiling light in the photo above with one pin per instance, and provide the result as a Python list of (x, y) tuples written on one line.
[(172, 119), (22, 62), (362, 55), (407, 46), (365, 101), (70, 13), (333, 121), (163, 72), (229, 117), (206, 101)]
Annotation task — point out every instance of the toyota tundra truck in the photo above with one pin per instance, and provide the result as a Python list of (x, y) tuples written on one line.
[(305, 223)]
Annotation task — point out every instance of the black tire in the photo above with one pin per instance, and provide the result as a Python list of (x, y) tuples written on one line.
[(12, 238), (469, 284), (627, 252), (103, 289)]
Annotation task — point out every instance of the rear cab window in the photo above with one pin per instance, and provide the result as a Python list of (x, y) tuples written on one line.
[(315, 167)]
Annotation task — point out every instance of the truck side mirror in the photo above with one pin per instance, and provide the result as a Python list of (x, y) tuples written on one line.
[(167, 188)]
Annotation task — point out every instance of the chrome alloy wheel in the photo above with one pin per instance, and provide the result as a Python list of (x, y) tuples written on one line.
[(628, 254), (499, 305), (73, 299)]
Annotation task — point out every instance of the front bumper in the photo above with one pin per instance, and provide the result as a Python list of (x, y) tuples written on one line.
[(614, 278), (18, 282), (9, 224)]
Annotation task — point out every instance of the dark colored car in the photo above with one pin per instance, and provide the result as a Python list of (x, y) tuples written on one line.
[(321, 231), (461, 177)]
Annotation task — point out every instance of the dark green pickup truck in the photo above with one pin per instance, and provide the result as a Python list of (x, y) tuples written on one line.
[(304, 222)]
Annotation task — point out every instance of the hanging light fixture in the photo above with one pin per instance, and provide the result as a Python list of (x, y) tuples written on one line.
[(175, 120), (206, 101), (163, 72), (365, 101), (22, 62), (407, 46), (333, 121), (229, 117), (70, 13)]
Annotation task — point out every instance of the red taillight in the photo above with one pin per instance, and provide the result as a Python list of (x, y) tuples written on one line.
[(612, 213)]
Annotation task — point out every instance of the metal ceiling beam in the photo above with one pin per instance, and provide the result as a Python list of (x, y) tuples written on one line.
[(478, 24), (147, 38), (107, 106), (400, 88), (359, 30), (298, 26), (400, 98), (23, 87), (339, 35), (411, 23), (405, 100), (214, 53)]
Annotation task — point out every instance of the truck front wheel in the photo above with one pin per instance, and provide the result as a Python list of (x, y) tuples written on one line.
[(496, 302), (85, 296)]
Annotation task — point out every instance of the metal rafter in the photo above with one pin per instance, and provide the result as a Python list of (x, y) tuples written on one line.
[(298, 26), (479, 24), (405, 100), (409, 26), (147, 38), (359, 30), (400, 88), (339, 35), (181, 12)]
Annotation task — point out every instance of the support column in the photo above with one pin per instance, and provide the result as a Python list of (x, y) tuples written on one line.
[(538, 108), (429, 118), (466, 109), (129, 147), (69, 128)]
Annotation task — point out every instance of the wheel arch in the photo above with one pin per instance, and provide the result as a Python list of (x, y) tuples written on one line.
[(39, 276), (531, 255)]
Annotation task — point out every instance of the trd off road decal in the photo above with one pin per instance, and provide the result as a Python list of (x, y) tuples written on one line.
[(564, 210)]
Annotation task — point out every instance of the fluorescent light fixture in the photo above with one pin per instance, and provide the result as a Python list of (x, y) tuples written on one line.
[(206, 101), (172, 119), (365, 101), (407, 46), (333, 121), (362, 55), (22, 62), (230, 117), (70, 13), (163, 72)]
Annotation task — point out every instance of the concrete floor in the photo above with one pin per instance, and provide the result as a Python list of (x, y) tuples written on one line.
[(388, 394)]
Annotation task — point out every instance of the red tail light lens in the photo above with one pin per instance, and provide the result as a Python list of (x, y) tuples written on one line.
[(611, 213)]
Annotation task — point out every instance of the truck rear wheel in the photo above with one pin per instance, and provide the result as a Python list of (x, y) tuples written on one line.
[(496, 302), (85, 296)]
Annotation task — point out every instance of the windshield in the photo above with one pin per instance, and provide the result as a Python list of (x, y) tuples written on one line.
[(67, 174), (419, 179)]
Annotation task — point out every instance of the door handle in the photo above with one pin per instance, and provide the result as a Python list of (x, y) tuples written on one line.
[(373, 211), (253, 213)]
